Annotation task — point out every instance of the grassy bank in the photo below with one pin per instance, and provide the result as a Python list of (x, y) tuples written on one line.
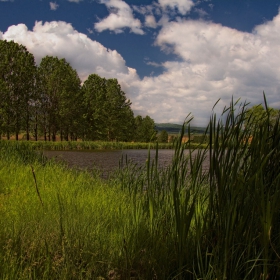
[(147, 223), (90, 145), (86, 145)]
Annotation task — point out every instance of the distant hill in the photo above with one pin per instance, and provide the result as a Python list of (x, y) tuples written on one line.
[(172, 128)]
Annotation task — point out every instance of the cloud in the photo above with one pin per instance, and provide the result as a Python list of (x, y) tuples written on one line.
[(90, 31), (149, 12), (211, 6), (213, 62), (53, 6), (153, 64), (183, 6), (144, 10), (201, 12), (150, 21), (75, 1), (120, 17)]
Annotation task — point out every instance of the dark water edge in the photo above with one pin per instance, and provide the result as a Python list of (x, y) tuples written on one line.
[(107, 161)]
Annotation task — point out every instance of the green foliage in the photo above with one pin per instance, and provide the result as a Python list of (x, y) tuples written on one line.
[(200, 138), (17, 79), (107, 111), (144, 129), (59, 97), (49, 100), (163, 137), (257, 116)]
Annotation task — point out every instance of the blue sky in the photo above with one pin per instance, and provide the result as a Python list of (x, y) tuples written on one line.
[(171, 57)]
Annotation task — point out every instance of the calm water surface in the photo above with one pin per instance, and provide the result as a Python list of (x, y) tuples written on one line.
[(108, 161)]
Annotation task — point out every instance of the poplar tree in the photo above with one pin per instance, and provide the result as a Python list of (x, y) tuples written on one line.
[(49, 99), (107, 114), (119, 116), (94, 98), (17, 78), (144, 129), (59, 86)]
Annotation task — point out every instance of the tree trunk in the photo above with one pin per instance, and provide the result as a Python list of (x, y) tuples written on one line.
[(36, 127), (8, 130), (53, 136), (49, 136), (66, 134), (27, 131), (27, 125), (45, 127)]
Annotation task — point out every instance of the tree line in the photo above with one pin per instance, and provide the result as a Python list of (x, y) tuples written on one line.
[(49, 100)]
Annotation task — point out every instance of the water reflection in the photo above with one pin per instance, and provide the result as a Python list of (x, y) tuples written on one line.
[(108, 161)]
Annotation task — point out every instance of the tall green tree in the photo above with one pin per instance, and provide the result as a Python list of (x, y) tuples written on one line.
[(94, 98), (4, 113), (163, 137), (257, 115), (119, 116), (144, 129), (17, 81), (59, 97), (108, 115)]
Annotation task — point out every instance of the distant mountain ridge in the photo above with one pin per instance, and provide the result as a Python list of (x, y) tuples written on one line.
[(172, 128)]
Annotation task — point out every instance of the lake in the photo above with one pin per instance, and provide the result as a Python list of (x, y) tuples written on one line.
[(108, 160)]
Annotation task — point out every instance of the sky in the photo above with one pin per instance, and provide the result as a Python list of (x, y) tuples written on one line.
[(171, 57)]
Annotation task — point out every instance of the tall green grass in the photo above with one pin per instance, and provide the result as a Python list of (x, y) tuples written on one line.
[(85, 145), (93, 145), (146, 222)]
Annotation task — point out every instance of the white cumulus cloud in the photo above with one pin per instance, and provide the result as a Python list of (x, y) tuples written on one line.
[(214, 62), (53, 6), (121, 16), (150, 21), (183, 6)]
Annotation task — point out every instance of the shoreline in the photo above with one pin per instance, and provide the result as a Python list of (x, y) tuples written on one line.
[(96, 145)]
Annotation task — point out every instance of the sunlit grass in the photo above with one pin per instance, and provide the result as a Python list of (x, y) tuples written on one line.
[(91, 145)]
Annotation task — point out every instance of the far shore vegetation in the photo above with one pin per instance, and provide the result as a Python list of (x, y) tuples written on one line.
[(49, 100), (166, 143)]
